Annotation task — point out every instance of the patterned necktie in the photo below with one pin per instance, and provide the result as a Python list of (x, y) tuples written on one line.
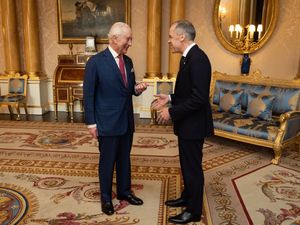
[(122, 69)]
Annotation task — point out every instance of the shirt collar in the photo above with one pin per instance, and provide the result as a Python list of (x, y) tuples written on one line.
[(113, 52), (186, 51)]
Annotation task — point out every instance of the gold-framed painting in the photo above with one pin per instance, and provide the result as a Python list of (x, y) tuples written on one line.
[(78, 19)]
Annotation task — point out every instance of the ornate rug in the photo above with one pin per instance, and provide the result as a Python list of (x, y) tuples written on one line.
[(48, 175), (66, 137), (35, 194), (252, 191)]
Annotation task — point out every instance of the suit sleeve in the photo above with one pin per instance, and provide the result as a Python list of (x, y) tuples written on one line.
[(89, 90), (200, 75)]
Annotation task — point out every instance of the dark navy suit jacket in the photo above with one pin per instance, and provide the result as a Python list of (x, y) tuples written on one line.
[(107, 101)]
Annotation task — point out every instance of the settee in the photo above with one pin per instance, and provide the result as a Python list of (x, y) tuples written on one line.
[(258, 110)]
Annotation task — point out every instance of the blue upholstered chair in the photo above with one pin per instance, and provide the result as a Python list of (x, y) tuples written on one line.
[(16, 96)]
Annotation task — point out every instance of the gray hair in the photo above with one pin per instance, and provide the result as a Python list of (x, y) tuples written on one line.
[(185, 27), (118, 29)]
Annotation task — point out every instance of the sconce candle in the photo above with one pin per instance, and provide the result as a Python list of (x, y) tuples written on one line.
[(238, 30), (251, 30), (259, 30), (231, 29)]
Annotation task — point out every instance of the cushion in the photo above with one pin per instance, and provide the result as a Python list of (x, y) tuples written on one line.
[(253, 88), (223, 84), (287, 99), (260, 105), (230, 101)]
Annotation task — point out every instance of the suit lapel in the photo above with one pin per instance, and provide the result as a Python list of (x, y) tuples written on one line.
[(112, 64), (185, 63), (128, 70)]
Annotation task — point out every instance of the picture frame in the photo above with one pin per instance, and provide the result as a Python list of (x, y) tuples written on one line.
[(90, 44), (78, 19), (82, 58), (164, 86)]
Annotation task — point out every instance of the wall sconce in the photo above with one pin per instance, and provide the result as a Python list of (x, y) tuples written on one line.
[(245, 38)]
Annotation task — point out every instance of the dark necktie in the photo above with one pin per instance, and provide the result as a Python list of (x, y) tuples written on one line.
[(122, 69), (182, 61)]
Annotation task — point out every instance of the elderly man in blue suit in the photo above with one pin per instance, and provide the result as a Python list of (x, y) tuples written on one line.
[(109, 84)]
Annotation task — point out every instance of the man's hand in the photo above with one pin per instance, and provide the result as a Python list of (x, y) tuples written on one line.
[(163, 116), (141, 87), (160, 101), (93, 131)]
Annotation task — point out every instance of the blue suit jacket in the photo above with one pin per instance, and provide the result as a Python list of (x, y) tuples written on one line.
[(107, 101)]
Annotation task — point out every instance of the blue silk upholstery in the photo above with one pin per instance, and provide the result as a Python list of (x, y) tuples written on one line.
[(260, 106), (230, 101), (249, 126), (16, 86), (293, 128), (266, 107), (222, 85), (287, 99), (250, 88), (11, 98)]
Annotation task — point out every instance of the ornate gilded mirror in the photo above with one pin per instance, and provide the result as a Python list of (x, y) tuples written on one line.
[(244, 26)]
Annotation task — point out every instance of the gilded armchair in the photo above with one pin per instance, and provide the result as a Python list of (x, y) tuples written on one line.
[(16, 96)]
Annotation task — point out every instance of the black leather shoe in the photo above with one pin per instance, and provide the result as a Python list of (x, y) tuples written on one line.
[(183, 218), (179, 202), (131, 199), (107, 208)]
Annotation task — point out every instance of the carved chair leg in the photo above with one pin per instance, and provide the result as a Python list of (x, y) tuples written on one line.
[(25, 108), (55, 110), (71, 111), (18, 112), (10, 110), (278, 153)]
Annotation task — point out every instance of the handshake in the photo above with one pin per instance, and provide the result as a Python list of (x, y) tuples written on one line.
[(159, 109)]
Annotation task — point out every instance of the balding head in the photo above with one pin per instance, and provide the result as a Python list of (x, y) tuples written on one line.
[(118, 28), (120, 37)]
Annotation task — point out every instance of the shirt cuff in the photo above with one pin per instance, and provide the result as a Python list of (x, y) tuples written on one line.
[(91, 125)]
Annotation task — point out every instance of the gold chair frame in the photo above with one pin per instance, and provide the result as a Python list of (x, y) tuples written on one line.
[(18, 102)]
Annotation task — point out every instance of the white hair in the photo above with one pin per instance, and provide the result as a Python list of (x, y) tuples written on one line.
[(118, 29)]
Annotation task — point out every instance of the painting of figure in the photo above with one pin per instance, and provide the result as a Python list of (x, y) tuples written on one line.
[(80, 18)]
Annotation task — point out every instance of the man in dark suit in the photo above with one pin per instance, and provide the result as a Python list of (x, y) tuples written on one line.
[(191, 114), (109, 84)]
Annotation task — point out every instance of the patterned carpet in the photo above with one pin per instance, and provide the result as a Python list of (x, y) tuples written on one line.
[(48, 175)]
